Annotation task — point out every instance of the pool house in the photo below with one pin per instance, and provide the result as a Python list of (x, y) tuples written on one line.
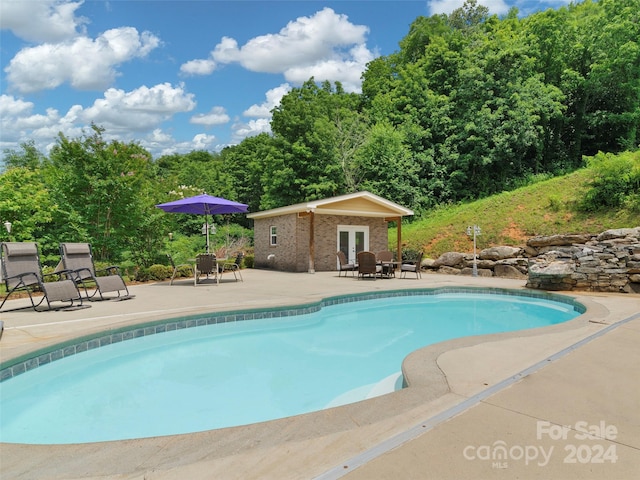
[(306, 236)]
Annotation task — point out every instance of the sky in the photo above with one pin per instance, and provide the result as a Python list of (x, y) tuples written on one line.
[(183, 75)]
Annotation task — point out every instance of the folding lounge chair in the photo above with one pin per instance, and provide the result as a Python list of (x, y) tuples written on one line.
[(22, 271), (344, 265), (78, 258), (412, 267), (176, 268), (367, 265), (234, 266)]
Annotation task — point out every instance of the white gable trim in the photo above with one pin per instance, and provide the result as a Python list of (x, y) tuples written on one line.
[(324, 207)]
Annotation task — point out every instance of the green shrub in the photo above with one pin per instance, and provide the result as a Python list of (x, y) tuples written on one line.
[(159, 272), (142, 275), (248, 261), (616, 181)]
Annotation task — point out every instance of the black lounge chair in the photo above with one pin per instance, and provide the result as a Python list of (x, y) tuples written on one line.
[(22, 271), (344, 265), (78, 258)]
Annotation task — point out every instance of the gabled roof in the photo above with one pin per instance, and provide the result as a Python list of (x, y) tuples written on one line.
[(359, 204)]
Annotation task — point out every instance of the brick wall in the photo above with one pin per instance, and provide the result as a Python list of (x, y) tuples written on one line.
[(292, 251)]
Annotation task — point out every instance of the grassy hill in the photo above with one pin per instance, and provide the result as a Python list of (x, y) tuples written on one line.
[(510, 218)]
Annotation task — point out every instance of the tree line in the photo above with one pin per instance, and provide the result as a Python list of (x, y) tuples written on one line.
[(469, 105)]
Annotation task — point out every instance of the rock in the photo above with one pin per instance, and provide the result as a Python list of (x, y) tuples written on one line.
[(567, 251), (449, 270), (507, 271), (556, 269), (557, 240), (499, 253), (427, 263), (482, 272), (618, 233), (450, 259)]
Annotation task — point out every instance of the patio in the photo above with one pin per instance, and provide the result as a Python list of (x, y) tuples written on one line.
[(472, 393)]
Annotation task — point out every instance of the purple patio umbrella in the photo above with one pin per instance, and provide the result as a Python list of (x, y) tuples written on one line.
[(204, 205)]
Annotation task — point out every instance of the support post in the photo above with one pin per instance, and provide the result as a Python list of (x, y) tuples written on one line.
[(312, 245)]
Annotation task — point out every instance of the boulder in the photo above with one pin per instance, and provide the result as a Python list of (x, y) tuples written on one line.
[(427, 263), (552, 269), (449, 259), (449, 270), (557, 240), (500, 253), (507, 271), (619, 233), (482, 272)]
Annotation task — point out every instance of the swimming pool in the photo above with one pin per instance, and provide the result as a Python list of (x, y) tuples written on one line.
[(234, 373)]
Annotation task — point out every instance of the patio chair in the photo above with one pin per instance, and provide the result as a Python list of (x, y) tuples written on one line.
[(385, 259), (414, 267), (176, 268), (78, 258), (344, 265), (234, 266), (367, 265), (22, 271), (206, 264)]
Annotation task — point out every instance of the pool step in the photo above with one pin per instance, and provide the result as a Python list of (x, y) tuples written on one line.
[(387, 385)]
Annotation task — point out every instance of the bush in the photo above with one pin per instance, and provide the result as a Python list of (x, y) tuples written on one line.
[(616, 182), (159, 272), (248, 261), (410, 255)]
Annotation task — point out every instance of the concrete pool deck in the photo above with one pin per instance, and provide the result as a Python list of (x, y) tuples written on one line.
[(500, 406)]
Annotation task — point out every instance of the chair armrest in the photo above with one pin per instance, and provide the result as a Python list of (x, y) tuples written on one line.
[(110, 270), (21, 277), (76, 274), (66, 274)]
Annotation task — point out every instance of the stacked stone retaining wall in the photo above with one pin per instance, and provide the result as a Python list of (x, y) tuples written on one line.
[(608, 262)]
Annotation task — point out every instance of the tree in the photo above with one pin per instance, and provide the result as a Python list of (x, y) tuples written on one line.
[(107, 186), (25, 201), (468, 16), (30, 157), (386, 166), (314, 123)]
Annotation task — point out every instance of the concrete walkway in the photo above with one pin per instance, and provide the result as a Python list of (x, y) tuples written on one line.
[(500, 406)]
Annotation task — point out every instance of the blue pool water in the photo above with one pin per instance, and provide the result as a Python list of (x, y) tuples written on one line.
[(238, 373)]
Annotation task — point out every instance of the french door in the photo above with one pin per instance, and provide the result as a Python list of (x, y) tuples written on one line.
[(353, 239)]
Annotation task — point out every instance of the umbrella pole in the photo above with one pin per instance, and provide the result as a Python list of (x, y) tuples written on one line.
[(206, 223)]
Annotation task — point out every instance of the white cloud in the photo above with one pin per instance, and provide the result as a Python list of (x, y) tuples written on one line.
[(41, 21), (83, 62), (139, 109), (18, 122), (347, 72), (326, 46), (217, 116), (240, 131), (273, 98), (203, 141), (161, 143), (17, 119), (305, 41), (198, 67), (497, 7)]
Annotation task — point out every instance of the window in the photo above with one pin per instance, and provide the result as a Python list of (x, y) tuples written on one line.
[(274, 236)]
